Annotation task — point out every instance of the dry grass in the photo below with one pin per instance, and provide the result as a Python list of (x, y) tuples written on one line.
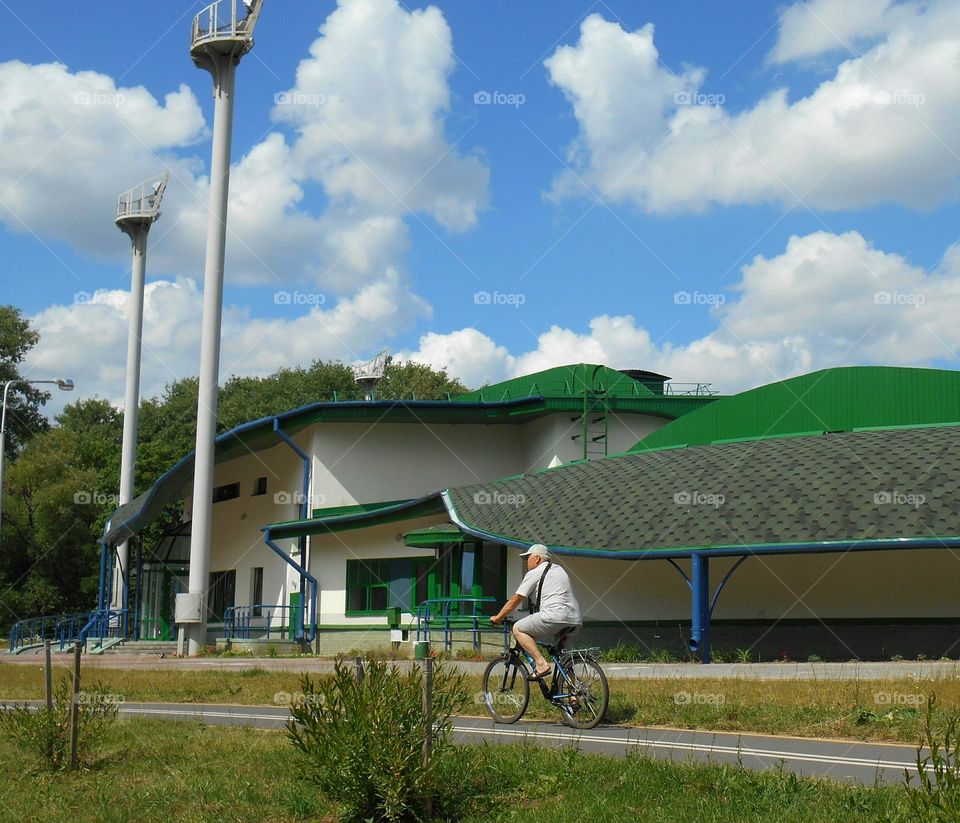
[(889, 710)]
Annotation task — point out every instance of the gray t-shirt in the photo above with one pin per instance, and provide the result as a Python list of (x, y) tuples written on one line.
[(557, 602)]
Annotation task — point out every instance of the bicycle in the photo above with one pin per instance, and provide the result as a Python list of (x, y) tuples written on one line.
[(578, 685)]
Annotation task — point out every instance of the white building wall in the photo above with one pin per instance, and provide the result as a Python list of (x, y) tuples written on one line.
[(887, 584), (237, 539)]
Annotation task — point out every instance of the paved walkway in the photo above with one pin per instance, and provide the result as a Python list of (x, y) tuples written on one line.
[(926, 669), (841, 760)]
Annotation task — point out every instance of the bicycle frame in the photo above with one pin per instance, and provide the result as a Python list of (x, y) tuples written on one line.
[(560, 675)]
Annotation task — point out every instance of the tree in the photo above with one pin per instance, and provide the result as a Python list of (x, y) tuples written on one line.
[(23, 407), (417, 381)]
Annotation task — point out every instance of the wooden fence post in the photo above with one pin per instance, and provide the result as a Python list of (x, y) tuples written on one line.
[(75, 706), (428, 722), (48, 674)]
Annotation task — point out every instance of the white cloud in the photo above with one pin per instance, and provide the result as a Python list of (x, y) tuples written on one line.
[(369, 106), (312, 327), (827, 300), (368, 111), (808, 29), (881, 130)]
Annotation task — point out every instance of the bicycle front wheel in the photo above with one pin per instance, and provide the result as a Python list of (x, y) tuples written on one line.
[(506, 690), (586, 704)]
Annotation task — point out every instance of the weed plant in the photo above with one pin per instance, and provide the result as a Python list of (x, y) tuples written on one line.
[(363, 738)]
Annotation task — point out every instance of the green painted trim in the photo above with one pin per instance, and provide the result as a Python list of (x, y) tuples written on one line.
[(907, 426), (387, 514), (355, 508), (815, 432)]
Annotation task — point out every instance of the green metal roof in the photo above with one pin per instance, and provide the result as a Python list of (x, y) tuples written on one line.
[(872, 489), (360, 519), (562, 381), (840, 399)]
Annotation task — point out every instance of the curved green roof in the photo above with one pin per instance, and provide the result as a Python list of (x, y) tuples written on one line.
[(562, 381), (831, 400)]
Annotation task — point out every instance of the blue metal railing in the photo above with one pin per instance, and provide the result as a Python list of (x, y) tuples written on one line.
[(58, 628), (240, 622), (103, 625), (447, 611)]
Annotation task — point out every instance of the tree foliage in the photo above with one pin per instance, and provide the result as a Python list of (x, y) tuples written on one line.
[(23, 407), (61, 487)]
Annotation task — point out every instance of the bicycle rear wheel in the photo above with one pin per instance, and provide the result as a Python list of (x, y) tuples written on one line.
[(506, 690), (589, 695)]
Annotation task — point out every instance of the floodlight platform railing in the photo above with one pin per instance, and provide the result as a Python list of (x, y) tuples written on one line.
[(142, 202), (221, 21)]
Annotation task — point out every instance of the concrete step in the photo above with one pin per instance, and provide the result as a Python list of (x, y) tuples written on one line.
[(144, 647)]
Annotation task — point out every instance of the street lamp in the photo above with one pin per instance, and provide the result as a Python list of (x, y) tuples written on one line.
[(220, 38), (63, 384)]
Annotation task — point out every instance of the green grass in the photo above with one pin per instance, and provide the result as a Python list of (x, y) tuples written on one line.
[(808, 708), (173, 771)]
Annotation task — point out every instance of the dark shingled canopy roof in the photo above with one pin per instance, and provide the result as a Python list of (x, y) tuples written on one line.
[(865, 489)]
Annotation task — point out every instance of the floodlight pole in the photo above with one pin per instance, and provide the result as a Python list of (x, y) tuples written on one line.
[(220, 39), (137, 210)]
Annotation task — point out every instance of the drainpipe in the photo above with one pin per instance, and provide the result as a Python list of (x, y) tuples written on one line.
[(303, 574), (103, 573), (304, 513)]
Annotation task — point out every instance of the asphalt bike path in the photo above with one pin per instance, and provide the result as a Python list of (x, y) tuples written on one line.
[(840, 760)]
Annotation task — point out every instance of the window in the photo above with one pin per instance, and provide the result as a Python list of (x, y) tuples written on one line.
[(220, 595), (470, 570), (256, 590), (259, 487), (226, 492)]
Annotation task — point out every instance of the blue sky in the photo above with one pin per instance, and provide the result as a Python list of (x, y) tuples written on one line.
[(724, 192)]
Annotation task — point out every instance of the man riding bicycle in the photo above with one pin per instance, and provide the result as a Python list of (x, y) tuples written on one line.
[(553, 606)]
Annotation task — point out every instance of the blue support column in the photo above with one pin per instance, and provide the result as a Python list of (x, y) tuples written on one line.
[(700, 606), (103, 574)]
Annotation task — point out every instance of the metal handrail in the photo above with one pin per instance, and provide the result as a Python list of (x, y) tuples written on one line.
[(33, 631), (425, 616), (105, 624), (238, 620), (233, 28), (144, 199)]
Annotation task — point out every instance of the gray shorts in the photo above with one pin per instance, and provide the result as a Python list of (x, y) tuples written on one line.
[(536, 626)]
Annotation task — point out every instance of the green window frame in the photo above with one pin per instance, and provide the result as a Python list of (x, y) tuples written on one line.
[(368, 586)]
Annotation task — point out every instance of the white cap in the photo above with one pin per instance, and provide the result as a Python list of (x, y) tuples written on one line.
[(538, 550)]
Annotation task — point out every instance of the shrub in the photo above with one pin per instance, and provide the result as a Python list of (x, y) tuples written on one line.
[(937, 800), (363, 739), (743, 655), (45, 733)]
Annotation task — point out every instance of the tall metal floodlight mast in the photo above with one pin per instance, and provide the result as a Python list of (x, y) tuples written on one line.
[(220, 39), (137, 210)]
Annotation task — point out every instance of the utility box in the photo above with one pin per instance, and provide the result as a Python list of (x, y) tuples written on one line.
[(188, 608), (393, 617)]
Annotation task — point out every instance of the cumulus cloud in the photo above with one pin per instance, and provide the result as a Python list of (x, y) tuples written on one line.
[(827, 300), (367, 119), (880, 130), (808, 29), (311, 326)]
